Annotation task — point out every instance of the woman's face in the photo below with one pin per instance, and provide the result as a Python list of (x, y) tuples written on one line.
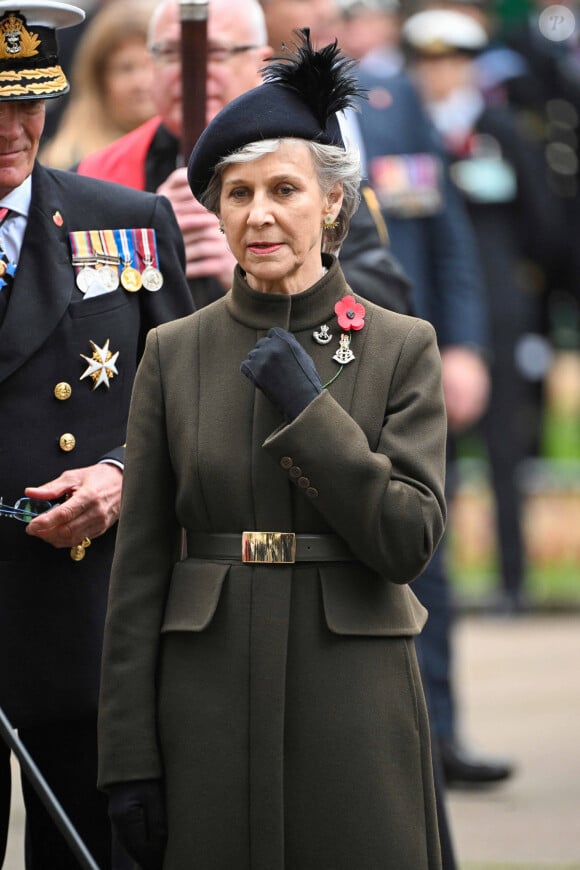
[(128, 81), (272, 210)]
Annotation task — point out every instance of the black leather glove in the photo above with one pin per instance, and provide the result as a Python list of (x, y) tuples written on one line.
[(137, 813), (280, 367)]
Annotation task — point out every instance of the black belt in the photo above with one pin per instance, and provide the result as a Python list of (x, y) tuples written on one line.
[(268, 547)]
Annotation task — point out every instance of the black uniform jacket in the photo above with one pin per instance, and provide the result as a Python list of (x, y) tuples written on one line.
[(51, 607)]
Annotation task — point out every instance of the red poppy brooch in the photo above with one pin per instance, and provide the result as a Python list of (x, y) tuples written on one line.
[(350, 314)]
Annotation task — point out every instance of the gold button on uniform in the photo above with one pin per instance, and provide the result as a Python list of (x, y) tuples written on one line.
[(67, 442), (286, 462), (63, 391), (77, 553)]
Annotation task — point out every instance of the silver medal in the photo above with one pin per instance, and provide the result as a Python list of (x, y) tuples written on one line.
[(152, 279), (109, 277), (85, 278)]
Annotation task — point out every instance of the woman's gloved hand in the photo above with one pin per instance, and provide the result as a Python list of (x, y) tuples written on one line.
[(280, 367), (137, 813)]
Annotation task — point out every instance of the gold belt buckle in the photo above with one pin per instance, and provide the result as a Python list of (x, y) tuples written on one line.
[(269, 547)]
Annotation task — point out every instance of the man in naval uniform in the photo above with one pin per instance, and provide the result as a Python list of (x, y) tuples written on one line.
[(86, 269)]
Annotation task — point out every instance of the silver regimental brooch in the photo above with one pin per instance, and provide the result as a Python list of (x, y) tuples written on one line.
[(344, 354), (322, 336)]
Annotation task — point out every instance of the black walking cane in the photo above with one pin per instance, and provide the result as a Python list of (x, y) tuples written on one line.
[(46, 795)]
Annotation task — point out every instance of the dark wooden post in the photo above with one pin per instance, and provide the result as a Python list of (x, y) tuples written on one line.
[(193, 16)]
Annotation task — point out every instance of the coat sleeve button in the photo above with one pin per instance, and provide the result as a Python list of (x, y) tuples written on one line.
[(286, 462), (303, 482), (295, 472), (311, 492)]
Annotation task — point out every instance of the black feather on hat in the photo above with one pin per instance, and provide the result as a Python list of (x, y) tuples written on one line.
[(322, 78), (300, 96)]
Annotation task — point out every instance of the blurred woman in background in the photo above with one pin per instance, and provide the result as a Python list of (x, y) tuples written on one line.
[(111, 83)]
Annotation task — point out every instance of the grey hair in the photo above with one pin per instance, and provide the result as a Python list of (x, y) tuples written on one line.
[(252, 16), (333, 166)]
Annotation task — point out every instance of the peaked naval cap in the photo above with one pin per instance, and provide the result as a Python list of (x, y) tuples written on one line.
[(443, 31), (29, 64), (300, 96)]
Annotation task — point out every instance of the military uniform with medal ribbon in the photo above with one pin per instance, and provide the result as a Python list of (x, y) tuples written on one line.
[(67, 364), (57, 414), (427, 224), (64, 404)]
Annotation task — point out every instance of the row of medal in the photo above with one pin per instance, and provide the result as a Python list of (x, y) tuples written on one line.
[(408, 185), (105, 259)]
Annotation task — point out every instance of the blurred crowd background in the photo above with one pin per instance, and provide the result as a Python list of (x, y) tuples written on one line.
[(521, 128), (530, 67), (543, 92)]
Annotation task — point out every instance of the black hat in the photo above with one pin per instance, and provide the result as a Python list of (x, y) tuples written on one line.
[(29, 65), (301, 94)]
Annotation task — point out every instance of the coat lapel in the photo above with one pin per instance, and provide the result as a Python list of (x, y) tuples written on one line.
[(44, 280)]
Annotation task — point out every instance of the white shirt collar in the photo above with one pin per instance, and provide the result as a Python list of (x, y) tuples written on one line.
[(19, 198)]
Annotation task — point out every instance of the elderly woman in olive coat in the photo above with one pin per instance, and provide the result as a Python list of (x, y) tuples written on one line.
[(268, 714)]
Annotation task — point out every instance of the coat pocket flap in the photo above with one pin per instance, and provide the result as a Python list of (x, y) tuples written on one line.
[(360, 601), (193, 595)]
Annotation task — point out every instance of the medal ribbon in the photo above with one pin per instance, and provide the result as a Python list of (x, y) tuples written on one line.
[(110, 246), (82, 251), (97, 245), (144, 249), (125, 241), (147, 246)]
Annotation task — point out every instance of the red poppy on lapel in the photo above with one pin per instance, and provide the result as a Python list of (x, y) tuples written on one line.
[(350, 314)]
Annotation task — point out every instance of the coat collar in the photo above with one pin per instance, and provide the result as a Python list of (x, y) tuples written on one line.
[(44, 280), (295, 313)]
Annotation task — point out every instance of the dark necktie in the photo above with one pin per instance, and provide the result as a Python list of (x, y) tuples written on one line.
[(7, 268)]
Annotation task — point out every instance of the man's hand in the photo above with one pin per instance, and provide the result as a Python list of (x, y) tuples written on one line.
[(206, 250), (465, 386), (92, 506)]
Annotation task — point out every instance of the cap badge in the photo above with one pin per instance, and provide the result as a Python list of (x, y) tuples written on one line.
[(15, 39)]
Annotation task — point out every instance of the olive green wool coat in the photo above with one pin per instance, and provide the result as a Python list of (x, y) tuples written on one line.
[(282, 705)]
